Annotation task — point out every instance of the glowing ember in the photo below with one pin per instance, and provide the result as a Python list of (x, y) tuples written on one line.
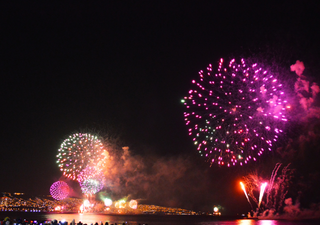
[(133, 204), (107, 202)]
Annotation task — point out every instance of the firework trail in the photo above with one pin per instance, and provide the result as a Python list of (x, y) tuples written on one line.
[(275, 191), (272, 178), (263, 187), (278, 189), (244, 190), (252, 182)]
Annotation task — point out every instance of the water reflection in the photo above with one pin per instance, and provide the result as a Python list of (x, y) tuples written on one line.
[(85, 218), (257, 222), (161, 220), (245, 222), (268, 222)]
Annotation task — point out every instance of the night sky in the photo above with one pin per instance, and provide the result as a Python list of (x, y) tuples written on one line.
[(121, 69)]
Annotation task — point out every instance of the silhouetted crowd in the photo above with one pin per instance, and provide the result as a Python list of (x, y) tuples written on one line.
[(8, 221)]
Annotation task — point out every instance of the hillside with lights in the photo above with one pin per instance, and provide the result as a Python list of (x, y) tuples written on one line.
[(18, 202)]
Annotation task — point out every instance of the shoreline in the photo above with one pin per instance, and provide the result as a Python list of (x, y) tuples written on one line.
[(101, 218)]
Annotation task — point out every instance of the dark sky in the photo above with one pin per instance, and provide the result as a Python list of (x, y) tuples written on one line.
[(123, 67)]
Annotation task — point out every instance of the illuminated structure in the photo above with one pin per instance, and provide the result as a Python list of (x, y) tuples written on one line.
[(216, 211)]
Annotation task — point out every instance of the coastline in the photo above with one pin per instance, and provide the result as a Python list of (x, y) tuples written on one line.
[(102, 218)]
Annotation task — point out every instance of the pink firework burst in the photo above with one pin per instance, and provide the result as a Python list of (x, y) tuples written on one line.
[(59, 190), (235, 113)]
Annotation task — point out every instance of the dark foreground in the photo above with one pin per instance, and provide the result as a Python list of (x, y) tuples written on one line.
[(99, 219)]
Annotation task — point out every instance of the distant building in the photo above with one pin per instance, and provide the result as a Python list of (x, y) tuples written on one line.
[(17, 193)]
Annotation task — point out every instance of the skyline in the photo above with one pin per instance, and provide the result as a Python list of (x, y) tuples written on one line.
[(121, 69)]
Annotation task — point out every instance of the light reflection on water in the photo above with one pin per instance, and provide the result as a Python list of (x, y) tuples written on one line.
[(257, 222), (245, 222), (268, 222), (165, 220), (148, 219)]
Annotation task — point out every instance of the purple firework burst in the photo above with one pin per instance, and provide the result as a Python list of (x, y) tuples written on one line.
[(236, 113), (59, 190)]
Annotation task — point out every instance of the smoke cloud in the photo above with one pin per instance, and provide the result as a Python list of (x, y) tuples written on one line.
[(166, 181), (294, 193)]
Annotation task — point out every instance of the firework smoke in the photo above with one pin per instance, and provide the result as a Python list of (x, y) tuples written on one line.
[(303, 147), (306, 91), (150, 179)]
